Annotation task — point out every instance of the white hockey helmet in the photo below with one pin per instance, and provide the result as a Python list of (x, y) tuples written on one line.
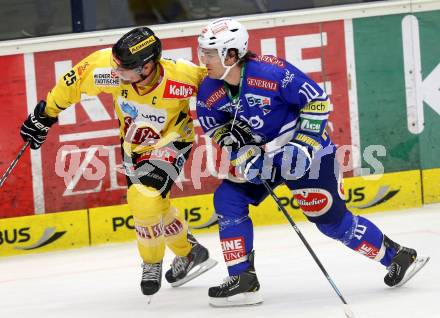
[(224, 34)]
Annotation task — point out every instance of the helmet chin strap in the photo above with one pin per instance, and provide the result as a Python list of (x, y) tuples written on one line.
[(141, 80), (227, 70), (140, 73)]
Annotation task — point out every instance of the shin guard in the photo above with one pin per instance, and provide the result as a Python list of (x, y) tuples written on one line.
[(176, 229), (148, 208)]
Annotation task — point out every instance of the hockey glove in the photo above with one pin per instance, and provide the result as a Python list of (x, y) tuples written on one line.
[(234, 134), (36, 127), (294, 159), (248, 163)]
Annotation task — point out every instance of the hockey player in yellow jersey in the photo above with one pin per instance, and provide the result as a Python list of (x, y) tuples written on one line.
[(151, 99)]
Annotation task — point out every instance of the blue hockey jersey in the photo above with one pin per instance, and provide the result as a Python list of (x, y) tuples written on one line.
[(276, 99)]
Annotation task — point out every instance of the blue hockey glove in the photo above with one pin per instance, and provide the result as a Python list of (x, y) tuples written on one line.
[(234, 134), (248, 162), (295, 160), (36, 127)]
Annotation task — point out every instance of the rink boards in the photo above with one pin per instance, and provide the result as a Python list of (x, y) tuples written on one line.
[(389, 104), (73, 229)]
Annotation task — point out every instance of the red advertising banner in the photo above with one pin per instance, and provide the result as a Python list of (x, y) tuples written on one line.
[(82, 151), (318, 49), (85, 147), (16, 193)]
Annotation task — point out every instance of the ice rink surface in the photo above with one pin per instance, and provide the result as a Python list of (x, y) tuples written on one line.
[(104, 281)]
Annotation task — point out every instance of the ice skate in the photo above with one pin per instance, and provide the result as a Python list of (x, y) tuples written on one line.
[(404, 266), (239, 290), (185, 268), (151, 279)]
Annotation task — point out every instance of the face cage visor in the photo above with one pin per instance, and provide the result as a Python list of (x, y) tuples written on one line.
[(211, 55), (119, 70)]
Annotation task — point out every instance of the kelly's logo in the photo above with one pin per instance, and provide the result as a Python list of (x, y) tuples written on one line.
[(174, 89)]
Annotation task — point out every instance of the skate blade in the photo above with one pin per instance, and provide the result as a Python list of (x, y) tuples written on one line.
[(149, 299), (418, 264), (196, 271), (243, 299)]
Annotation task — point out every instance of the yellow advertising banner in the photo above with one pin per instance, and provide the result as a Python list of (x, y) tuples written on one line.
[(115, 223), (42, 233), (431, 185), (111, 224), (198, 210), (393, 191)]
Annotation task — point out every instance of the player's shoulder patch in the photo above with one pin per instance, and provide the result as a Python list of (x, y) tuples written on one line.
[(211, 91), (271, 72), (105, 76), (98, 64)]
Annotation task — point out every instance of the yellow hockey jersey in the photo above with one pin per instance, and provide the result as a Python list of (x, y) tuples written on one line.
[(160, 111)]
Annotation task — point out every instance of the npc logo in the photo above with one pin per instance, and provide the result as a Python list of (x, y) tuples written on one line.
[(142, 114)]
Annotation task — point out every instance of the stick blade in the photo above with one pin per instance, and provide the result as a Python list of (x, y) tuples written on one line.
[(348, 312)]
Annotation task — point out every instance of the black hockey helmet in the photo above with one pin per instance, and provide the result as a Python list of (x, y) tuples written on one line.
[(136, 48)]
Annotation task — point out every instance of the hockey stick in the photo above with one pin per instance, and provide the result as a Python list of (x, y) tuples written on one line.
[(347, 309), (13, 163)]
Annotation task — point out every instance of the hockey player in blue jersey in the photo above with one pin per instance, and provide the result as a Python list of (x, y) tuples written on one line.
[(273, 119)]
